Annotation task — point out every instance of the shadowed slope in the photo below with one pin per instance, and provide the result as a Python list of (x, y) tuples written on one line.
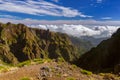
[(104, 57)]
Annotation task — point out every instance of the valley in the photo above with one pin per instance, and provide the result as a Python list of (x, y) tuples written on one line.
[(37, 54)]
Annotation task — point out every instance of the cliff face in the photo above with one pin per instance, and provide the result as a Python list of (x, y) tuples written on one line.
[(19, 43), (103, 58)]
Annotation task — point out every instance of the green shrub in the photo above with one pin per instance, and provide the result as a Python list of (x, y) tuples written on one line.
[(25, 78), (58, 75), (70, 78), (38, 61), (4, 68), (24, 63), (61, 60), (74, 66), (86, 72), (48, 60), (101, 74), (35, 61), (1, 67)]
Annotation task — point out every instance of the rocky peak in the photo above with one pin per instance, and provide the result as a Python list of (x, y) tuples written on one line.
[(19, 43)]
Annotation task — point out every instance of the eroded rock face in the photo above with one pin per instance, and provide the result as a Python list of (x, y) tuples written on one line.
[(19, 43), (104, 57)]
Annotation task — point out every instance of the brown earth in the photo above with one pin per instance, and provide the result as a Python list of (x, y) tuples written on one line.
[(57, 71)]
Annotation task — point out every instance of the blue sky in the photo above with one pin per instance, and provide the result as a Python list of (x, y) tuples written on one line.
[(95, 10)]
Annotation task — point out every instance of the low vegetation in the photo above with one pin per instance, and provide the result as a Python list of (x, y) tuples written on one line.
[(32, 62), (70, 78), (25, 63), (5, 67), (86, 72), (25, 78)]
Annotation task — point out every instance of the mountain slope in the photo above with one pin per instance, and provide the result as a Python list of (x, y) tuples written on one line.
[(19, 43), (105, 57), (92, 33), (81, 44)]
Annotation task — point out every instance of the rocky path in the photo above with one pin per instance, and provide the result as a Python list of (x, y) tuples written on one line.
[(49, 71)]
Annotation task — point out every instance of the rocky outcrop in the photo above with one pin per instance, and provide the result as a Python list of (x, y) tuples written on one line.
[(19, 43), (104, 57)]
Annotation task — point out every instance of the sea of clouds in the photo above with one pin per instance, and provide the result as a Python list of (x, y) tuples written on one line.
[(80, 30)]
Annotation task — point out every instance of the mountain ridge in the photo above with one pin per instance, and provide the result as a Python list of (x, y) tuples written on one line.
[(20, 43), (103, 58)]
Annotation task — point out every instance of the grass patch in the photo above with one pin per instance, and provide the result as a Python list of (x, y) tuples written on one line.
[(70, 78), (74, 66), (86, 72), (28, 62), (101, 74), (48, 60), (1, 67), (4, 68), (25, 78), (38, 61), (35, 61), (58, 75), (61, 60)]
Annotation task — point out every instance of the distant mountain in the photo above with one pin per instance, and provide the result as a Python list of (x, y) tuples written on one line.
[(92, 40), (103, 58), (94, 34), (82, 45), (19, 43)]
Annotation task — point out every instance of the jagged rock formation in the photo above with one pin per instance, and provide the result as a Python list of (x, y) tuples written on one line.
[(19, 43), (104, 57)]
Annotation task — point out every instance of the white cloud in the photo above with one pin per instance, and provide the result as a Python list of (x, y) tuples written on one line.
[(9, 16), (39, 7), (99, 1), (59, 22), (106, 18), (56, 1), (81, 30), (72, 27)]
